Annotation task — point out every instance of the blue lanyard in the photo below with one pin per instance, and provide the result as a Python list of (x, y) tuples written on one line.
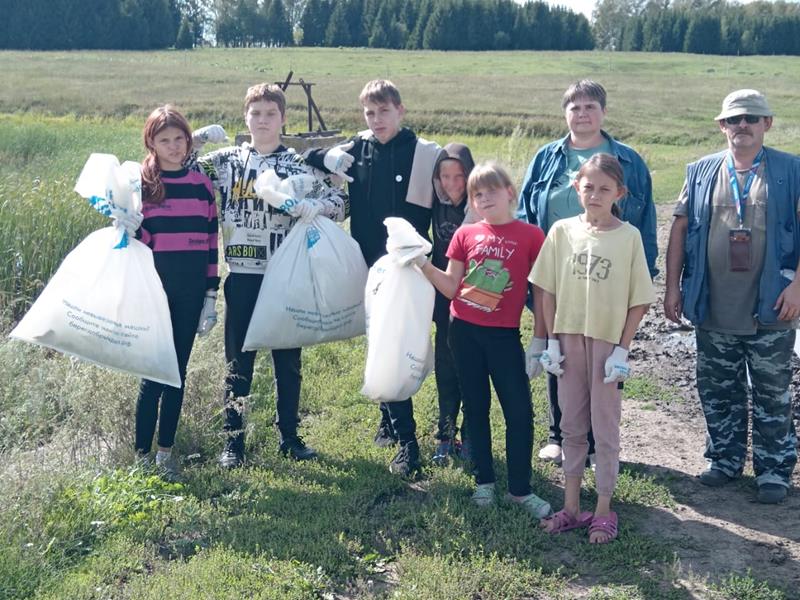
[(740, 197)]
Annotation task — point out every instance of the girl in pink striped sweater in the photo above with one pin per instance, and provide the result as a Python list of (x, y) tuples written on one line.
[(180, 226)]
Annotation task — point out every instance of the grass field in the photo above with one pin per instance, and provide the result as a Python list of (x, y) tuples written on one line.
[(77, 520)]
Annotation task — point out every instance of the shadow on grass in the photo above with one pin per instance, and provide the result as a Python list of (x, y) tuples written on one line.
[(349, 514)]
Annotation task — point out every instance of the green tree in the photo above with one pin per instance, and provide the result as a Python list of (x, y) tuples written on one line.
[(609, 18), (359, 15), (199, 13), (315, 21), (379, 38), (133, 29), (703, 34), (160, 25), (408, 14), (294, 12), (338, 33), (732, 29), (238, 22), (185, 39), (414, 41), (632, 34), (541, 26), (278, 26), (435, 34), (580, 32)]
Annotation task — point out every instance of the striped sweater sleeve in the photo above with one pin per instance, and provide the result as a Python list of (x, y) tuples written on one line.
[(212, 277)]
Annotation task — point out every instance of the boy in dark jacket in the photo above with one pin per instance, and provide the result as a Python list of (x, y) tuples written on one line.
[(390, 174)]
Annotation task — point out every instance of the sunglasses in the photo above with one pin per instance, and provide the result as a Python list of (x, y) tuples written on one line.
[(750, 119)]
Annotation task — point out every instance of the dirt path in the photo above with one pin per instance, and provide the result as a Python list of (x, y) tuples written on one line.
[(715, 531)]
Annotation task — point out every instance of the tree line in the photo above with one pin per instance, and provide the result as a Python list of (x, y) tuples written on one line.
[(411, 24), (444, 25), (73, 24), (699, 26)]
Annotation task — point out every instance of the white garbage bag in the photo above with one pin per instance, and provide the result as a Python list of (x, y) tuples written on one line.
[(399, 304), (313, 290), (105, 303), (313, 287)]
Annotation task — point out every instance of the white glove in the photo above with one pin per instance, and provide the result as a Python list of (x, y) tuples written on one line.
[(532, 355), (208, 316), (338, 161), (305, 210), (551, 358), (617, 368), (420, 260), (129, 221), (213, 134)]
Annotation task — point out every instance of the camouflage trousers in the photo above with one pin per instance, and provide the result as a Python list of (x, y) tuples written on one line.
[(723, 364)]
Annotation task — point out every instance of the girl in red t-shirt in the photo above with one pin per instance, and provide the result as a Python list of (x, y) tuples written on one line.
[(486, 278)]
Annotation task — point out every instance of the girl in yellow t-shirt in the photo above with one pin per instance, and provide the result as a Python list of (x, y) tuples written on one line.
[(592, 280)]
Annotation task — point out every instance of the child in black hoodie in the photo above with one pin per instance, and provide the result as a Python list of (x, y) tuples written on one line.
[(449, 209)]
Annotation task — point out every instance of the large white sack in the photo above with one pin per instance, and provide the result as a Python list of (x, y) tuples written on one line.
[(313, 290), (399, 305), (105, 303)]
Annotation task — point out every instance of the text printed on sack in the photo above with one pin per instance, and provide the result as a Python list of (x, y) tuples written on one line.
[(103, 328)]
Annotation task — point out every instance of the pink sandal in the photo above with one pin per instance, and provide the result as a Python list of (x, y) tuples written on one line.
[(607, 525), (564, 521)]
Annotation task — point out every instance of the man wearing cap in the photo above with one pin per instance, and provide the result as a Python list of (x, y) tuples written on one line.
[(731, 261)]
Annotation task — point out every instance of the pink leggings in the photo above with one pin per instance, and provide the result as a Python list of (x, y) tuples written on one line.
[(585, 400)]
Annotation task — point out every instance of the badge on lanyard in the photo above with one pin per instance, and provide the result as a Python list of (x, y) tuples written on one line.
[(740, 239), (739, 247)]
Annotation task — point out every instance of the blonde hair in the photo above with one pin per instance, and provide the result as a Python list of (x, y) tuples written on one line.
[(266, 91), (492, 176), (380, 91)]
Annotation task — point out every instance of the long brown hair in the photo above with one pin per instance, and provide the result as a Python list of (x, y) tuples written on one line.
[(161, 118)]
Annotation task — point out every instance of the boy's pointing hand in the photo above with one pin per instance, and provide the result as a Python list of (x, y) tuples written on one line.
[(338, 161)]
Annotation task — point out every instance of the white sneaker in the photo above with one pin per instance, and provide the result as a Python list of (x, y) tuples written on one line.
[(167, 464), (592, 462), (483, 494), (536, 506), (551, 453)]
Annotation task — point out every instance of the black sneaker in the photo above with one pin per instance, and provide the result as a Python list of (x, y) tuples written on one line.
[(296, 448), (406, 462), (385, 438), (233, 454)]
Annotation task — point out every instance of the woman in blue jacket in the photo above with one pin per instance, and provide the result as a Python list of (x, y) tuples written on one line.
[(548, 195)]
